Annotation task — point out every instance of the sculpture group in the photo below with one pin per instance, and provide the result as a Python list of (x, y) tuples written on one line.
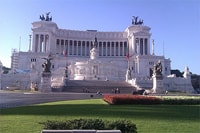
[(47, 18), (158, 69), (47, 64), (136, 22)]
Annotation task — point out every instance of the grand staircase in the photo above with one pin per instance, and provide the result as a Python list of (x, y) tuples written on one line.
[(93, 86)]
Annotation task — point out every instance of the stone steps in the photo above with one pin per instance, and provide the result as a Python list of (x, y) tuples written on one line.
[(94, 86)]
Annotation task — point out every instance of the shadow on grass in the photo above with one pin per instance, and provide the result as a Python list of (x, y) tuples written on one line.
[(165, 112)]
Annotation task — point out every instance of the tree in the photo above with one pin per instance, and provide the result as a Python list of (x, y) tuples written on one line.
[(5, 69)]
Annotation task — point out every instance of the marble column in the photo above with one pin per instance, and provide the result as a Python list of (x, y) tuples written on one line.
[(38, 43), (44, 44), (34, 43)]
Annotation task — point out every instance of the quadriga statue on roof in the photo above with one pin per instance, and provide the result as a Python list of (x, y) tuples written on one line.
[(47, 18), (136, 22)]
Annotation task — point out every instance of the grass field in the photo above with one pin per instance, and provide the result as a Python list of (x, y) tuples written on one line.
[(148, 118)]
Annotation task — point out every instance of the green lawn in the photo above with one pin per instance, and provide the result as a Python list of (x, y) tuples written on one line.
[(148, 118)]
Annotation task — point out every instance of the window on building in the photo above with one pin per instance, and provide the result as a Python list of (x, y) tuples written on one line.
[(151, 63), (33, 59), (57, 41), (62, 42)]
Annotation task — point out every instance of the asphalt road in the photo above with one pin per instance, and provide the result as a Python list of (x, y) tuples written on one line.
[(16, 99)]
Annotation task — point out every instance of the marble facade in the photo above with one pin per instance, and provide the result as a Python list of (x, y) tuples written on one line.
[(93, 55), (74, 48)]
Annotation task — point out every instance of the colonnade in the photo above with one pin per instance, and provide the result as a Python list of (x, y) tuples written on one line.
[(40, 42), (141, 46), (82, 48)]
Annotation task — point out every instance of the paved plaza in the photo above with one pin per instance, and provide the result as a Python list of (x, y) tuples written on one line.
[(15, 99)]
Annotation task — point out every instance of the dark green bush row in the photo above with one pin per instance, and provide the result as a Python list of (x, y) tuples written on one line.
[(181, 101), (97, 124)]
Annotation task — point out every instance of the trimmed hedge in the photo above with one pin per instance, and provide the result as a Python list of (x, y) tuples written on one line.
[(97, 124), (131, 99), (181, 101), (139, 99)]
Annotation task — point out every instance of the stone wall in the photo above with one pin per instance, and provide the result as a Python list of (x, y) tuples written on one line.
[(172, 83), (15, 81), (141, 83)]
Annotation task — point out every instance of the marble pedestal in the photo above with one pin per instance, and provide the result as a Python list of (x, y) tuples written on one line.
[(45, 82), (158, 86)]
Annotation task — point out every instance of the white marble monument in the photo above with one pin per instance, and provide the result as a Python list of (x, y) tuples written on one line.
[(107, 59), (104, 60)]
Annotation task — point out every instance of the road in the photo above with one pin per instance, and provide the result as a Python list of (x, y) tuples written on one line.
[(15, 99)]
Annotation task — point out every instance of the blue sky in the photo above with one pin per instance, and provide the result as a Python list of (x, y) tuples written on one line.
[(175, 24)]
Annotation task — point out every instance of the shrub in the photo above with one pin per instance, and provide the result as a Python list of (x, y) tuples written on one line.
[(131, 99), (97, 124), (123, 125), (138, 99), (181, 100)]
